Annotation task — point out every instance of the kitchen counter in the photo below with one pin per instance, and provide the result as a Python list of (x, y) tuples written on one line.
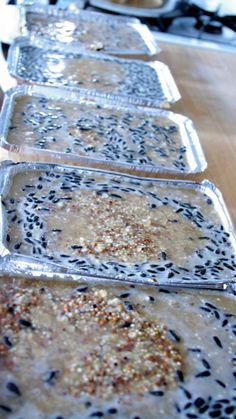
[(206, 80)]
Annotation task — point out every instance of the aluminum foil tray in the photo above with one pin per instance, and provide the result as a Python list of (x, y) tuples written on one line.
[(48, 124), (89, 31), (110, 225), (133, 81), (153, 349)]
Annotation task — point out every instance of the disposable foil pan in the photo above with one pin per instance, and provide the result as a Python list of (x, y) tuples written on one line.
[(108, 225), (54, 125), (182, 340), (89, 31), (130, 81)]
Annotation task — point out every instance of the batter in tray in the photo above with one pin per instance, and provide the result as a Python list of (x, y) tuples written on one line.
[(103, 133), (114, 225), (90, 351), (86, 30), (93, 72)]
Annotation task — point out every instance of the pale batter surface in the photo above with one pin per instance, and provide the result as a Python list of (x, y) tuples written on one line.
[(98, 132), (89, 31), (113, 351), (131, 79), (112, 225)]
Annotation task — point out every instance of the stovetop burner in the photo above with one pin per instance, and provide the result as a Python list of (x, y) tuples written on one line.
[(191, 21)]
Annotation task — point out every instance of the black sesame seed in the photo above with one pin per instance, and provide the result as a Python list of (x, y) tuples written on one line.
[(5, 408), (125, 325), (206, 364), (205, 309), (186, 392), (82, 289), (221, 383), (203, 374), (25, 323), (218, 341), (11, 310), (169, 265), (124, 295), (157, 393), (113, 195), (27, 240), (216, 406), (160, 269), (199, 402), (229, 409), (112, 411), (180, 375), (165, 291), (226, 265), (163, 255), (12, 387), (177, 408), (174, 335), (203, 409), (7, 341), (128, 305), (224, 401), (17, 246), (216, 314), (51, 376), (96, 415), (215, 414)]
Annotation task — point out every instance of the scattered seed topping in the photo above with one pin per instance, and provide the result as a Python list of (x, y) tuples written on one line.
[(89, 354), (86, 31), (129, 353), (103, 133), (107, 75), (107, 225)]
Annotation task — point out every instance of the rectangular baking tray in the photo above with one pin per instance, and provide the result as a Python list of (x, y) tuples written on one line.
[(110, 34), (187, 155), (127, 81), (18, 266), (47, 321), (190, 237)]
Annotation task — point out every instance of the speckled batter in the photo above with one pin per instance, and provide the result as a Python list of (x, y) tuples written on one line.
[(115, 225), (87, 351), (99, 132), (88, 30)]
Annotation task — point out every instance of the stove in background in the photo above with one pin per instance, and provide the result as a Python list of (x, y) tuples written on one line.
[(188, 22)]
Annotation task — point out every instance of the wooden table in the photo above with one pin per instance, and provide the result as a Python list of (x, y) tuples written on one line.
[(207, 83)]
